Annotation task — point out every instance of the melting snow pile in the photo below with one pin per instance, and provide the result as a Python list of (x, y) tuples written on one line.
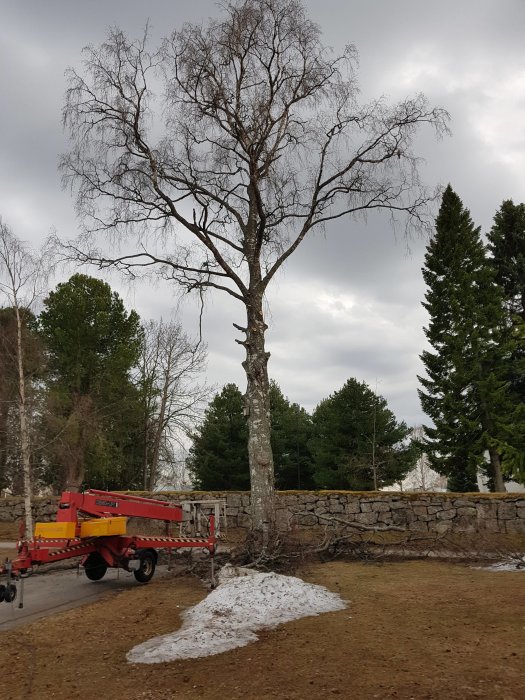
[(505, 566), (228, 618)]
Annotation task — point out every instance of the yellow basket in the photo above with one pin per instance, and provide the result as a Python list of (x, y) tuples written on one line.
[(103, 527), (55, 531)]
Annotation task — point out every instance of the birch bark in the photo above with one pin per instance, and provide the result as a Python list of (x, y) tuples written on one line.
[(25, 441), (258, 416)]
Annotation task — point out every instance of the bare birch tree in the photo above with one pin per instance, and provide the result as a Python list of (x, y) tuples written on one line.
[(9, 444), (21, 277), (257, 140), (172, 398), (11, 473)]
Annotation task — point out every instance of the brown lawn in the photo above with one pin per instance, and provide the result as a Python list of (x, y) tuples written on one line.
[(411, 630)]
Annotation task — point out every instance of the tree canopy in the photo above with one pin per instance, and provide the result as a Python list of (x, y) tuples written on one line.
[(358, 443), (291, 432), (466, 392), (507, 248), (170, 395), (22, 273), (218, 458), (93, 417), (258, 140)]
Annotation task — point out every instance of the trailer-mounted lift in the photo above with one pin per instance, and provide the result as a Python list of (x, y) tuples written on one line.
[(93, 525)]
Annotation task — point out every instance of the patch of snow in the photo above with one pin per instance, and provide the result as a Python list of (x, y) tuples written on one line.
[(244, 602), (504, 566)]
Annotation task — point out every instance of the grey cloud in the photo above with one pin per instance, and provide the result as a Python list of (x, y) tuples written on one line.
[(370, 322)]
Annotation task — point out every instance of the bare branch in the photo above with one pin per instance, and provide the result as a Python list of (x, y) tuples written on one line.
[(173, 400), (257, 139), (22, 275)]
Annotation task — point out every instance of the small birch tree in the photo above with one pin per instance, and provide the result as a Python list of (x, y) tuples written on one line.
[(258, 141), (21, 280)]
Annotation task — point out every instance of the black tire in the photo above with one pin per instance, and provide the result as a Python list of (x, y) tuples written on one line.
[(148, 562), (95, 567), (10, 593), (2, 592)]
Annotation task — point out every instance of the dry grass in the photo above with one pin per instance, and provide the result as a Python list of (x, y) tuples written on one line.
[(422, 630)]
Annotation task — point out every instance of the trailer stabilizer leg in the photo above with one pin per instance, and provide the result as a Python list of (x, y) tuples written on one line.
[(212, 572), (21, 602)]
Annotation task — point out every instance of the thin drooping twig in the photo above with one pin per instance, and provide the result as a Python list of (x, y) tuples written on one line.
[(258, 141)]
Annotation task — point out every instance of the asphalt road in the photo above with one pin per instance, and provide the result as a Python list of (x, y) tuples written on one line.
[(46, 594)]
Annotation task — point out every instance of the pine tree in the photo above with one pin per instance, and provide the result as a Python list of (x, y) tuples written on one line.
[(93, 416), (466, 392)]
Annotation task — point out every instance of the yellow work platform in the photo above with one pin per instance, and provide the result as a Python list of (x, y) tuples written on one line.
[(103, 527), (55, 531)]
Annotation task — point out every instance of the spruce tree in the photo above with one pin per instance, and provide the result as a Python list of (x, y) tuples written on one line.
[(218, 459), (466, 392), (507, 248), (219, 455), (291, 431), (358, 443)]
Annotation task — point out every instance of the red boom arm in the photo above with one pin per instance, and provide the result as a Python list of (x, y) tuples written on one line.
[(103, 504)]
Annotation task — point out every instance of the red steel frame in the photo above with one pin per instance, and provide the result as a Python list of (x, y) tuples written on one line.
[(116, 550)]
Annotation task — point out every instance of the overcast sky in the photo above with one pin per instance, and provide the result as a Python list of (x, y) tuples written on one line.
[(348, 303)]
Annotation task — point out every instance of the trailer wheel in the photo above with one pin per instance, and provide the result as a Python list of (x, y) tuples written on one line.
[(148, 562), (10, 593), (95, 566)]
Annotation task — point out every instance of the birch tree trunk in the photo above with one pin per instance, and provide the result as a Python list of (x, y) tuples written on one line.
[(25, 443), (258, 416)]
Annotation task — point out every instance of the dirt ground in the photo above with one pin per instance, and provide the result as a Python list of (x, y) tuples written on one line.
[(411, 630), (9, 531)]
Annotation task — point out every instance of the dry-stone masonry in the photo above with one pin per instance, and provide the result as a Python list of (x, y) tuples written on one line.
[(437, 513)]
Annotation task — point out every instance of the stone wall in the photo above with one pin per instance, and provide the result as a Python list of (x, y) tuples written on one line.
[(12, 508), (437, 513)]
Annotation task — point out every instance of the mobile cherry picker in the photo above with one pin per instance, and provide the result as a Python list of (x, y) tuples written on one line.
[(93, 525)]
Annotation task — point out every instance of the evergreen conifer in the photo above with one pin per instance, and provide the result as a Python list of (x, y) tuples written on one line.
[(466, 392)]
